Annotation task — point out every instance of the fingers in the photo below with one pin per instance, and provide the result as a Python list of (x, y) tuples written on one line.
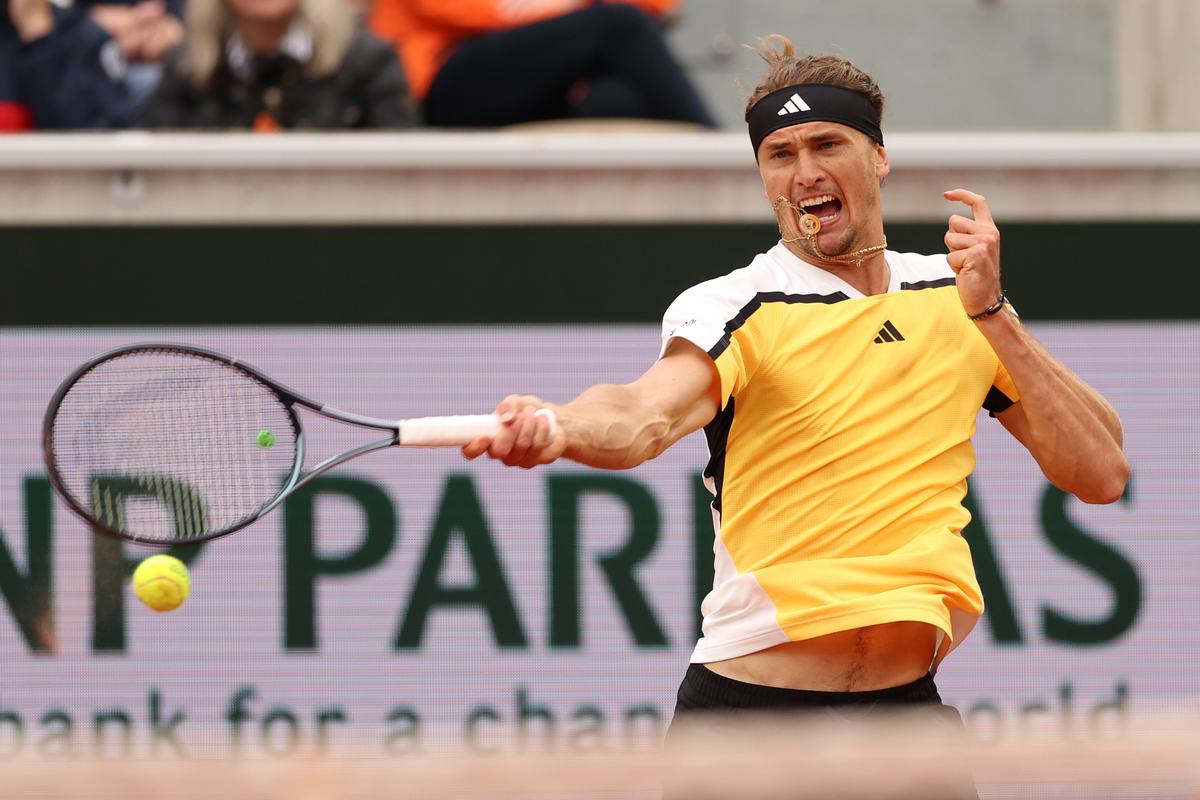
[(966, 233), (961, 241), (960, 224), (113, 19), (976, 202), (968, 258), (164, 34), (527, 435), (476, 447), (958, 241)]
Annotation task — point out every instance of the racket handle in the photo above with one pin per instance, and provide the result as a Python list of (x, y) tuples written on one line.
[(446, 431)]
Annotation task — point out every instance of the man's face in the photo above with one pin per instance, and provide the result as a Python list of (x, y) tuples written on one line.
[(832, 171)]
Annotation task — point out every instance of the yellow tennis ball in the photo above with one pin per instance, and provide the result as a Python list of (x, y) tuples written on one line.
[(162, 582)]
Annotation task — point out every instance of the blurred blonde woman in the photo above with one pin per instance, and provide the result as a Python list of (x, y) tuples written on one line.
[(279, 64)]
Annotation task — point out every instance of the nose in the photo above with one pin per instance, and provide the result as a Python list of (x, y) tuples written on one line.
[(808, 172)]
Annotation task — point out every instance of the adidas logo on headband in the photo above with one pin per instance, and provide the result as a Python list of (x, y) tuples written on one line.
[(833, 104), (794, 105)]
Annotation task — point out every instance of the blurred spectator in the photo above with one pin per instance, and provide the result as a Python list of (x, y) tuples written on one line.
[(86, 66), (500, 62), (14, 114), (174, 7), (272, 64)]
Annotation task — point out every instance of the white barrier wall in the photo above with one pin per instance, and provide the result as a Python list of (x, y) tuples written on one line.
[(415, 599), (591, 172)]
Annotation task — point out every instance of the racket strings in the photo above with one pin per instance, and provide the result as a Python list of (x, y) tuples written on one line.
[(165, 446)]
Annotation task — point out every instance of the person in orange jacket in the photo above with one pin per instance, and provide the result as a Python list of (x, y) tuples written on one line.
[(485, 63)]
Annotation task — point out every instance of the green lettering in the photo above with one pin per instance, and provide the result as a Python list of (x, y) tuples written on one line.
[(589, 735), (481, 743), (162, 729), (11, 719), (111, 493), (325, 718), (405, 736), (460, 516), (279, 718), (530, 719), (59, 739), (1103, 561), (29, 594), (566, 494), (303, 564), (643, 727), (101, 721)]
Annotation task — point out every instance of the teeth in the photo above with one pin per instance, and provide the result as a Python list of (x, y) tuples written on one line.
[(815, 201)]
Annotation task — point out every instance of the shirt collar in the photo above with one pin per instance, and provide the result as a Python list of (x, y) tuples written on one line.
[(297, 43)]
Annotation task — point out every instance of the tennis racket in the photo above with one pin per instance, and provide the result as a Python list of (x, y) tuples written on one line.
[(167, 444)]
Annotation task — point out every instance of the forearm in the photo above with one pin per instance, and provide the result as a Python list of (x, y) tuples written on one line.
[(608, 426), (1073, 433), (1093, 400)]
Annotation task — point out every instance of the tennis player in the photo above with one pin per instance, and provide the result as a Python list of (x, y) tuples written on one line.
[(838, 385)]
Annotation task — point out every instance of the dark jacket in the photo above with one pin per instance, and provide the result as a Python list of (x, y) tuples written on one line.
[(14, 112), (62, 80), (368, 90)]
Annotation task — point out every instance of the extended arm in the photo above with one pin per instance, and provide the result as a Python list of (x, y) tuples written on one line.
[(611, 426), (1071, 431)]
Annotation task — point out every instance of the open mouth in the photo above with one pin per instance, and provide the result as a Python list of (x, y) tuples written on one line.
[(825, 207)]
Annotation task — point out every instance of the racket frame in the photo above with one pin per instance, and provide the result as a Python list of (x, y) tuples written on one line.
[(288, 397)]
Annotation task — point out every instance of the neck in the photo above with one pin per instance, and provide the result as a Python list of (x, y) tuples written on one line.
[(870, 277), (263, 37), (865, 267)]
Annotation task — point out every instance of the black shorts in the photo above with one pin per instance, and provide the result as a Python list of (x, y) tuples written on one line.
[(705, 698), (704, 690)]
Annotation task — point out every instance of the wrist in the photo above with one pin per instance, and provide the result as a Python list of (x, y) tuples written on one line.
[(994, 308)]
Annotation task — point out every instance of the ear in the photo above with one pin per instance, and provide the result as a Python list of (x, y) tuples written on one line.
[(882, 165)]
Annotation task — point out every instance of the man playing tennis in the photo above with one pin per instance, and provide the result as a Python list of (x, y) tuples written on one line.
[(838, 385)]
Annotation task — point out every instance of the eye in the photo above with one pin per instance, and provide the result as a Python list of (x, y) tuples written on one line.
[(827, 145)]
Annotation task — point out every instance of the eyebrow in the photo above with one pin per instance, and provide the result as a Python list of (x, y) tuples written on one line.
[(817, 138)]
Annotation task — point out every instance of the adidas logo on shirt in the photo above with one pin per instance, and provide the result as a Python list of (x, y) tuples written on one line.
[(888, 333), (794, 105)]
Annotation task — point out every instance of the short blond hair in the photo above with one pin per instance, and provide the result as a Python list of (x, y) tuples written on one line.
[(786, 68), (210, 24)]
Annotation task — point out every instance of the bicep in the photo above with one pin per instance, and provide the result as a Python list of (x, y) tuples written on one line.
[(682, 387)]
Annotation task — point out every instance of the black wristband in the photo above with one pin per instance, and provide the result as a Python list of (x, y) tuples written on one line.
[(987, 312)]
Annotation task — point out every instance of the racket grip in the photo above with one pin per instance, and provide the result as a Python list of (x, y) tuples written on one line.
[(446, 431)]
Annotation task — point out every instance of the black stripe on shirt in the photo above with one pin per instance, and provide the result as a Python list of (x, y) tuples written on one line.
[(929, 284), (759, 300), (934, 284), (997, 401), (717, 434)]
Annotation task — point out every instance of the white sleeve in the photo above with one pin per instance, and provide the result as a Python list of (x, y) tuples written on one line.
[(698, 317)]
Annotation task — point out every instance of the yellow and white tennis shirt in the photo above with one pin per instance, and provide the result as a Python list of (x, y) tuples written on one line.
[(840, 455)]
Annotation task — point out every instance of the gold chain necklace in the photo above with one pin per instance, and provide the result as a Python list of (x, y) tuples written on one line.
[(810, 226)]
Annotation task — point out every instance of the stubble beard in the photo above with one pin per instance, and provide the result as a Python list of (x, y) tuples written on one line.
[(844, 243)]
